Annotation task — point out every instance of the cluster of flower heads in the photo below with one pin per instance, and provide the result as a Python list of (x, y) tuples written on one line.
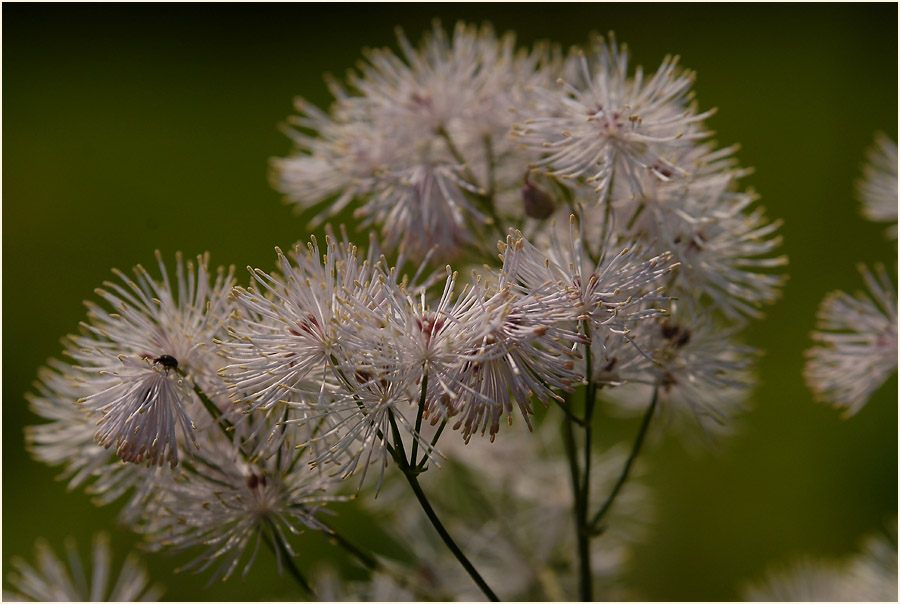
[(532, 138), (144, 380), (306, 367), (345, 345), (240, 409), (856, 336)]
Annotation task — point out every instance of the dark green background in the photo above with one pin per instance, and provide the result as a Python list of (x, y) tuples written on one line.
[(132, 128)]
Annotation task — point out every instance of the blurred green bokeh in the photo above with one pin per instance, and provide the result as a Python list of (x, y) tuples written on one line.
[(132, 128)]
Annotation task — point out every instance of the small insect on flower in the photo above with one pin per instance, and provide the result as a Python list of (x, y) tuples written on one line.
[(128, 346), (167, 361)]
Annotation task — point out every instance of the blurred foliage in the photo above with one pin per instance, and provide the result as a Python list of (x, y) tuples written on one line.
[(131, 128)]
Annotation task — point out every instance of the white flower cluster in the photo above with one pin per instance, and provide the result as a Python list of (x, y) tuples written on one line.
[(532, 138), (856, 336), (249, 404)]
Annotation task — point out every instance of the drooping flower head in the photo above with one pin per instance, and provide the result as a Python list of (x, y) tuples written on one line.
[(138, 361), (856, 344), (67, 440)]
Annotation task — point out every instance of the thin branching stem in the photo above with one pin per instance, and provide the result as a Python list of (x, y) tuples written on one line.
[(219, 419), (575, 475), (419, 414), (411, 473), (635, 449), (437, 435), (586, 585), (564, 405), (448, 540), (364, 558), (487, 193), (280, 549)]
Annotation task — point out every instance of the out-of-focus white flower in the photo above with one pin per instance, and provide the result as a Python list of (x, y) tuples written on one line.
[(873, 573), (605, 123), (856, 340), (725, 245), (52, 581), (868, 576), (877, 189), (337, 160), (379, 587), (226, 504), (419, 141), (702, 374), (805, 580), (138, 362), (441, 84), (422, 207)]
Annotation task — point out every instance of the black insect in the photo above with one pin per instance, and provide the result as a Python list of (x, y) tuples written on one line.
[(167, 361)]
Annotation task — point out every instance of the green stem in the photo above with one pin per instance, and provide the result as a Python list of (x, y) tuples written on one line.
[(586, 584), (411, 473), (419, 414), (581, 535), (372, 563), (565, 409), (218, 418), (634, 217), (364, 558), (445, 536), (635, 449), (487, 196), (281, 552), (214, 411), (489, 155), (437, 435), (399, 452)]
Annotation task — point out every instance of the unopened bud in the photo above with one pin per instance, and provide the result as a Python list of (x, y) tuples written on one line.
[(537, 201)]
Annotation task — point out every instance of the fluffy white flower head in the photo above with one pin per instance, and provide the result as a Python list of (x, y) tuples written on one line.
[(878, 188), (605, 123), (286, 331), (225, 504), (139, 362), (856, 347)]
